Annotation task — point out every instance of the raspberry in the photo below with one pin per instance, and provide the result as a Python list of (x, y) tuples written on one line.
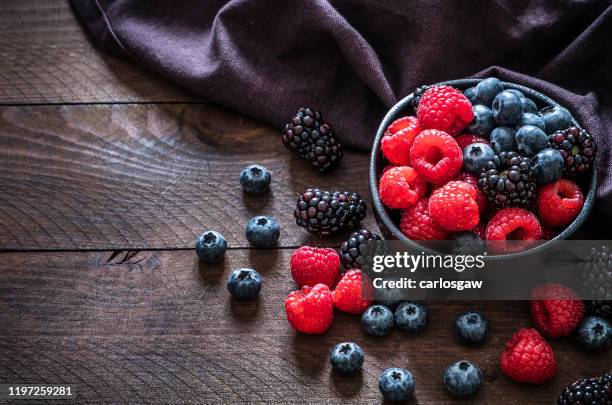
[(444, 108), (481, 199), (468, 139), (454, 207), (311, 309), (401, 187), (436, 156), (348, 295), (528, 358), (398, 139), (555, 309), (417, 224), (514, 224), (314, 265), (559, 202)]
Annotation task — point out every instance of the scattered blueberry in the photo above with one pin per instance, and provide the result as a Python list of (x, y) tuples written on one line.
[(244, 284), (503, 139), (346, 358), (411, 316), (483, 124), (507, 109), (529, 106), (531, 119), (210, 246), (377, 320), (463, 378), (472, 328), (475, 156), (530, 140), (262, 231), (255, 179), (594, 334), (486, 90), (547, 166), (396, 384), (556, 118), (470, 93)]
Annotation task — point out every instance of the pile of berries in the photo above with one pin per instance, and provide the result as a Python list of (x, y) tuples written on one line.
[(487, 162)]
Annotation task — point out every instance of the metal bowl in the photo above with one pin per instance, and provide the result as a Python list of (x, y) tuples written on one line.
[(388, 219)]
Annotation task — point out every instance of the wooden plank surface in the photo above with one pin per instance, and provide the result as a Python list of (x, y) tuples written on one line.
[(160, 326), (147, 177), (45, 57)]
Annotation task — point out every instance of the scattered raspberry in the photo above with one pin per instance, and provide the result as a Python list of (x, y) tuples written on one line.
[(436, 156), (559, 202), (444, 108), (417, 224), (454, 207), (348, 295), (514, 224), (481, 199), (555, 309), (401, 187), (311, 309), (398, 139), (528, 358), (314, 265), (468, 139)]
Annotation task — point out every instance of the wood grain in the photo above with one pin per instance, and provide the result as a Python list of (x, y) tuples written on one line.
[(147, 177), (158, 326), (45, 57)]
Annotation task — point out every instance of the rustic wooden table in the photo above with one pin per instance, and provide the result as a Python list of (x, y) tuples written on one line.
[(107, 174)]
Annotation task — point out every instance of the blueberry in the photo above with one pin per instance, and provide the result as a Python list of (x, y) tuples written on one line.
[(547, 166), (377, 320), (530, 140), (472, 328), (262, 231), (244, 284), (475, 156), (463, 378), (486, 91), (346, 358), (529, 106), (594, 334), (531, 119), (210, 246), (470, 93), (396, 384), (518, 93), (467, 242), (389, 297), (411, 316), (482, 124), (507, 109), (556, 118), (255, 179), (503, 139)]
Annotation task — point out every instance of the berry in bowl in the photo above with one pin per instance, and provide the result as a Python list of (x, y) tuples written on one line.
[(481, 160)]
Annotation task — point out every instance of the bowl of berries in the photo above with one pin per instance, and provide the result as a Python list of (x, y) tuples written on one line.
[(481, 159)]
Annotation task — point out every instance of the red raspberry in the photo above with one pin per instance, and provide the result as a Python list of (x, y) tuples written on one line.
[(311, 309), (398, 139), (444, 108), (436, 156), (468, 139), (417, 224), (555, 309), (454, 206), (401, 187), (514, 224), (481, 199), (313, 265), (348, 295), (559, 202), (528, 358)]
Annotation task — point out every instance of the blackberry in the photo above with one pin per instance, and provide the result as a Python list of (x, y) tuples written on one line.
[(577, 147), (506, 180), (312, 139), (350, 252), (416, 98), (596, 280), (588, 391), (329, 212)]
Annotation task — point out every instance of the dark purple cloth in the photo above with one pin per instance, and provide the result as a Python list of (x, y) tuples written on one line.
[(353, 59)]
